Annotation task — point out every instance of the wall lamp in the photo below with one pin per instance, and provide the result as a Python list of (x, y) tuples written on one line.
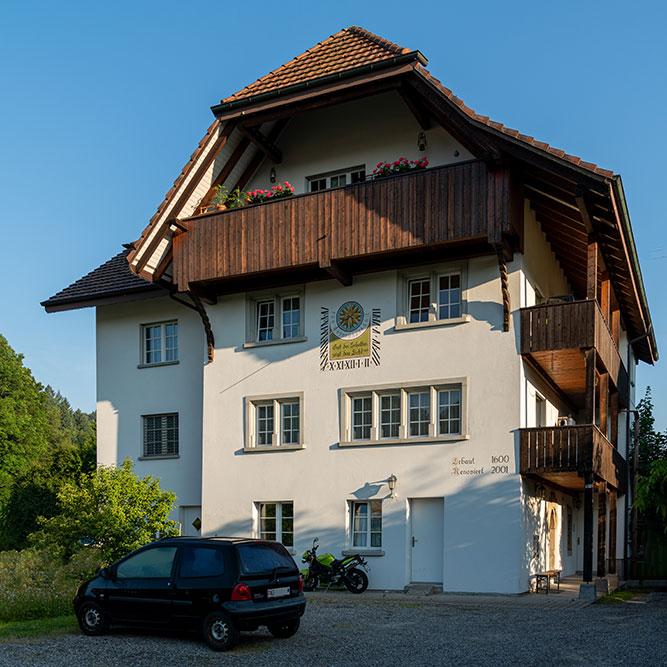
[(272, 175), (421, 142), (541, 491), (391, 483)]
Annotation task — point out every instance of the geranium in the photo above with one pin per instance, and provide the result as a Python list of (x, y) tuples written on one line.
[(399, 166), (259, 196)]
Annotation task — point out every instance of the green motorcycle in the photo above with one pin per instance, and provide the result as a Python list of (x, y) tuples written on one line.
[(326, 569)]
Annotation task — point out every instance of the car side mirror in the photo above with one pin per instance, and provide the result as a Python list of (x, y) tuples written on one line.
[(105, 573)]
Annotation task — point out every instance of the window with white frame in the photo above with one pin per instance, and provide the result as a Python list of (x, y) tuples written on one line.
[(334, 179), (366, 524), (275, 318), (411, 412), (160, 435), (434, 297), (275, 522), (274, 421), (159, 343)]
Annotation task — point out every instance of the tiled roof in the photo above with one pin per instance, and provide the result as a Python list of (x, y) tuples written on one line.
[(515, 134), (113, 278), (349, 48)]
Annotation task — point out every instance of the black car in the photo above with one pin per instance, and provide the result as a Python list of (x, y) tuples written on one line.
[(221, 585)]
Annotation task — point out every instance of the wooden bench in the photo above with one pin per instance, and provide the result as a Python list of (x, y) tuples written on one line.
[(544, 579)]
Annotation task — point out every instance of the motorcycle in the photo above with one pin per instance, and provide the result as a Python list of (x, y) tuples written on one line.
[(326, 569)]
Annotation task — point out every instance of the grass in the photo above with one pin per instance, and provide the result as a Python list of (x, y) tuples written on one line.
[(618, 597), (43, 627)]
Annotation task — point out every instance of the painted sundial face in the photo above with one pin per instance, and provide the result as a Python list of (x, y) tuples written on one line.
[(350, 316)]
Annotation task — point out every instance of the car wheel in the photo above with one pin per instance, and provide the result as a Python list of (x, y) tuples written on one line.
[(92, 620), (219, 632), (284, 629)]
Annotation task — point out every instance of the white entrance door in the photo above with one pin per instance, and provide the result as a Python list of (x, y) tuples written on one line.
[(427, 539)]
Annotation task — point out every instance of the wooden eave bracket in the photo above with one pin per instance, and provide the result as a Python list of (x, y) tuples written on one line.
[(263, 143), (343, 277), (504, 285), (210, 339), (416, 108)]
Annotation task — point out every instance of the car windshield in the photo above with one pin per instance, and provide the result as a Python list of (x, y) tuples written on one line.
[(264, 557)]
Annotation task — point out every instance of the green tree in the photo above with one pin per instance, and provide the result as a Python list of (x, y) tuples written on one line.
[(24, 424), (110, 508), (652, 444), (651, 494)]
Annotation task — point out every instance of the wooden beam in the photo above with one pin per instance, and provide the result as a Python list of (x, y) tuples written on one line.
[(226, 170), (504, 287), (267, 147), (612, 531), (589, 409), (604, 402), (602, 531), (592, 268), (416, 109), (588, 527), (210, 339), (336, 272), (185, 195), (580, 198)]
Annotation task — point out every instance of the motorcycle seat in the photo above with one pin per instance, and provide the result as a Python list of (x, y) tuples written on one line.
[(336, 562)]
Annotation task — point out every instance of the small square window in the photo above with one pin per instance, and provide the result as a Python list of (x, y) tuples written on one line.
[(275, 318), (276, 522), (390, 415), (160, 435), (336, 179), (362, 414), (419, 300), (274, 422), (419, 405), (449, 296), (449, 411), (159, 343)]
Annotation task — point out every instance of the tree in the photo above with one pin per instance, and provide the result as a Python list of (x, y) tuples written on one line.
[(110, 508), (651, 494), (652, 444)]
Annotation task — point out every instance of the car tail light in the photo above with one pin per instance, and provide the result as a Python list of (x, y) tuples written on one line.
[(241, 592), (300, 584)]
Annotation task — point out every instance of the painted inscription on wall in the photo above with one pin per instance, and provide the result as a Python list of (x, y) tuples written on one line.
[(350, 337), (468, 466)]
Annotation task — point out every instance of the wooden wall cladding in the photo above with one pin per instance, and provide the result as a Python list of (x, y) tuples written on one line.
[(396, 213)]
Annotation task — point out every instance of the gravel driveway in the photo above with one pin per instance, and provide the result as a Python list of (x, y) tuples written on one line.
[(371, 630)]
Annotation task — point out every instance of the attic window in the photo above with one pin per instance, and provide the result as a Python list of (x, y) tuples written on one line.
[(335, 179)]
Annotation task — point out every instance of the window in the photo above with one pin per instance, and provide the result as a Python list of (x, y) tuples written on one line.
[(159, 343), (201, 562), (274, 421), (411, 412), (152, 563), (160, 437), (276, 522), (275, 318), (366, 524), (335, 179), (431, 298)]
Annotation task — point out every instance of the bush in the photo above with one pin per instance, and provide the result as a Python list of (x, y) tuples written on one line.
[(35, 584)]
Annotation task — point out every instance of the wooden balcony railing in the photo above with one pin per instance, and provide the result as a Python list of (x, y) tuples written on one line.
[(400, 213), (572, 325), (555, 450)]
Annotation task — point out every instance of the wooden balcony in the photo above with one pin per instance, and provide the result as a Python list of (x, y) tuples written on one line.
[(554, 336), (367, 226), (563, 454)]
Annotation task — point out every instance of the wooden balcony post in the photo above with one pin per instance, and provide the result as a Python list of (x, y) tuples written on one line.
[(605, 302), (602, 530), (613, 416), (588, 527), (592, 268), (604, 403), (589, 408), (612, 531)]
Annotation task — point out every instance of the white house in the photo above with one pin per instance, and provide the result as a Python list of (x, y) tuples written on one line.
[(466, 332)]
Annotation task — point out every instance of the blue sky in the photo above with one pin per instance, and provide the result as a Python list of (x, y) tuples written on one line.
[(102, 103)]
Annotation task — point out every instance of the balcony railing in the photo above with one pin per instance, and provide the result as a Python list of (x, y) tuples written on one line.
[(572, 325), (389, 215), (556, 450)]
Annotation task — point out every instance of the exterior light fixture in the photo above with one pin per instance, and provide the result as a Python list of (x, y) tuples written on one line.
[(576, 502), (272, 175), (421, 142), (391, 483), (541, 491)]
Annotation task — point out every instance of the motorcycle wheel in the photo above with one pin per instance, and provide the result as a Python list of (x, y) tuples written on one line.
[(355, 581), (311, 582)]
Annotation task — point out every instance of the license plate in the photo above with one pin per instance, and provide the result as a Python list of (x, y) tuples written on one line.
[(277, 592)]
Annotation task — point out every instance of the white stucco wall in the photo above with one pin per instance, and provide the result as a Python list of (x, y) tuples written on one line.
[(364, 132), (482, 513), (126, 392)]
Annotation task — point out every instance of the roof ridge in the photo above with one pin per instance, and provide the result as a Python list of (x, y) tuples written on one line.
[(381, 41)]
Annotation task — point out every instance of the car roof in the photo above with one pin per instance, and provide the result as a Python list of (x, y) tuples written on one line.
[(212, 540)]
